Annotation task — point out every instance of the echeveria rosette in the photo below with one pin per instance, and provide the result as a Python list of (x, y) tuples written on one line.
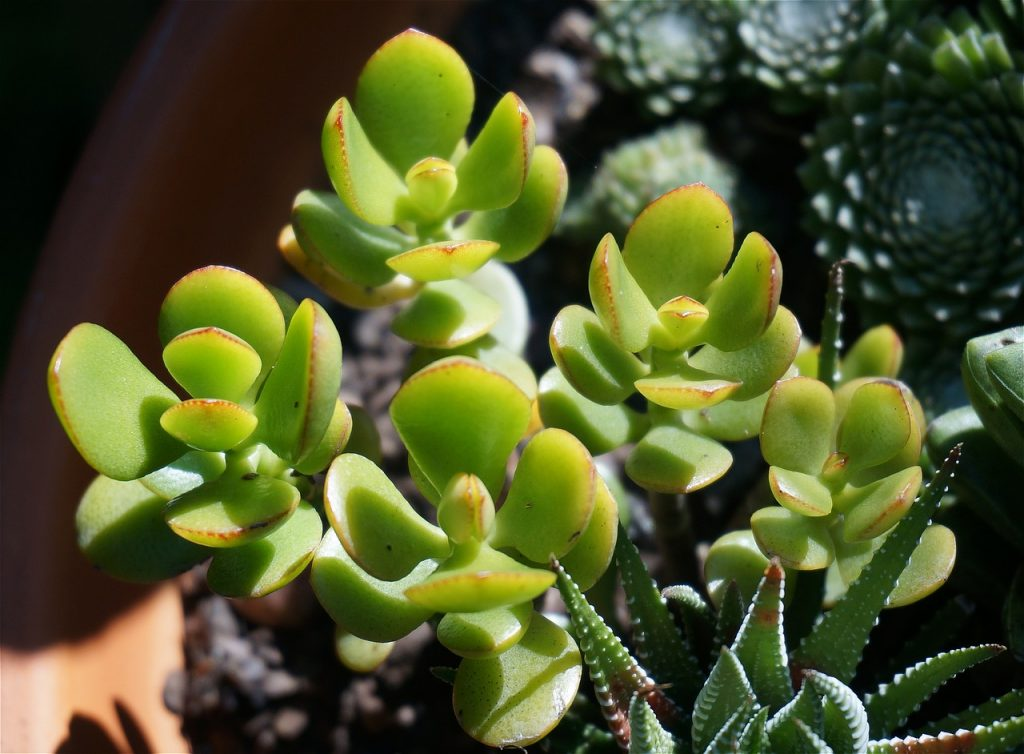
[(383, 569), (916, 178), (701, 346), (417, 207), (671, 55), (225, 472)]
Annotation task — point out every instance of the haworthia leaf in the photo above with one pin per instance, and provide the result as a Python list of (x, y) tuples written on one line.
[(698, 619), (727, 739), (726, 692), (846, 721), (783, 731), (754, 739), (889, 707), (730, 616), (646, 736), (809, 741), (1010, 704), (994, 738), (835, 644), (931, 638), (760, 645)]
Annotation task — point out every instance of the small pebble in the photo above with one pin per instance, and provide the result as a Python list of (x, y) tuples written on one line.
[(290, 722)]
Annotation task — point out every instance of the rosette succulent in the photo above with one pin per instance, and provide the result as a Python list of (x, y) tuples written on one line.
[(417, 207), (226, 472), (916, 178), (672, 55), (702, 347), (383, 569)]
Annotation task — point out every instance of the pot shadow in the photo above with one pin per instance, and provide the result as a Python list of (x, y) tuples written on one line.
[(87, 736)]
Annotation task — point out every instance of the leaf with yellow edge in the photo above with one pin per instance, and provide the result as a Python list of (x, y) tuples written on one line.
[(618, 300), (360, 655), (590, 557), (208, 423), (443, 260), (446, 314), (212, 363), (674, 459), (485, 633)]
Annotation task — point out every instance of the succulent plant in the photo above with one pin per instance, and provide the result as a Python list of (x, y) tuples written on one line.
[(703, 348), (417, 207), (916, 179), (672, 55), (383, 569), (758, 697), (224, 473), (638, 171)]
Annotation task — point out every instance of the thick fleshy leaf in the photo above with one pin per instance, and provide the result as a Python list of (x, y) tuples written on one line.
[(477, 577), (232, 511), (493, 172), (485, 633), (760, 645), (928, 569), (674, 459), (365, 438), (122, 532), (590, 359), (874, 509), (758, 365), (184, 474), (489, 352), (724, 693), (743, 304), (590, 557), (730, 421), (360, 655), (261, 567), (876, 353), (335, 439), (685, 388), (446, 314), (599, 428), (208, 424), (212, 363), (369, 608), (377, 526), (517, 697), (800, 542), (876, 424), (646, 736), (987, 398), (550, 500), (415, 96), (110, 404), (845, 720), (736, 557), (443, 260), (499, 282), (330, 233), (229, 299), (362, 177), (797, 428), (798, 725), (431, 183), (456, 415), (466, 510), (521, 227), (297, 401), (800, 493), (618, 300), (680, 243), (1006, 369), (682, 318)]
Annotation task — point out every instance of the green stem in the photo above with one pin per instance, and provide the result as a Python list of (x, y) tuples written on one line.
[(831, 341), (674, 537)]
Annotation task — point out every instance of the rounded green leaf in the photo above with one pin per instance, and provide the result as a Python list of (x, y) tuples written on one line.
[(798, 541), (930, 565), (122, 532), (365, 438), (456, 415), (875, 508), (729, 421), (486, 633), (443, 260), (682, 319), (228, 299), (261, 567), (522, 226), (1006, 369), (800, 493), (499, 282), (446, 314), (477, 577), (208, 424), (876, 424), (590, 359), (415, 97), (360, 655), (599, 428), (619, 302), (110, 404), (366, 607), (674, 459), (231, 510), (185, 473), (680, 243), (493, 172), (489, 352), (685, 388), (332, 443), (212, 363), (377, 526), (876, 353), (466, 510), (797, 427), (431, 183), (590, 557), (518, 697), (744, 303), (297, 401), (734, 556), (551, 497)]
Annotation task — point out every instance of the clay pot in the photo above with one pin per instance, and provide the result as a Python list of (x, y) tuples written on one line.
[(196, 159)]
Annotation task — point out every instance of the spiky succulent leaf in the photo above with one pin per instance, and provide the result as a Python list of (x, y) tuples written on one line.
[(994, 738), (727, 739), (1010, 704), (845, 719), (760, 644), (730, 616), (784, 729), (754, 739), (646, 736), (725, 693), (809, 741)]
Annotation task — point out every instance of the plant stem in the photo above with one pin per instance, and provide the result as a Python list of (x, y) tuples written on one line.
[(674, 537), (831, 342)]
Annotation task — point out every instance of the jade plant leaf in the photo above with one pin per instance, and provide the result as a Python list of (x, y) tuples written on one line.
[(360, 655), (366, 607), (489, 352), (599, 428), (431, 183), (208, 424), (485, 633), (682, 319), (591, 361), (680, 243), (878, 352), (446, 314), (800, 493), (930, 565), (522, 226), (110, 404), (376, 525), (734, 556), (466, 510), (265, 565), (499, 282), (492, 173), (334, 440), (228, 299), (875, 508), (414, 78), (456, 415), (730, 421), (675, 459), (232, 511), (212, 363), (185, 473), (443, 260), (876, 424), (589, 558), (551, 498), (800, 542), (685, 388), (517, 697), (364, 438), (619, 302), (797, 428), (121, 530)]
